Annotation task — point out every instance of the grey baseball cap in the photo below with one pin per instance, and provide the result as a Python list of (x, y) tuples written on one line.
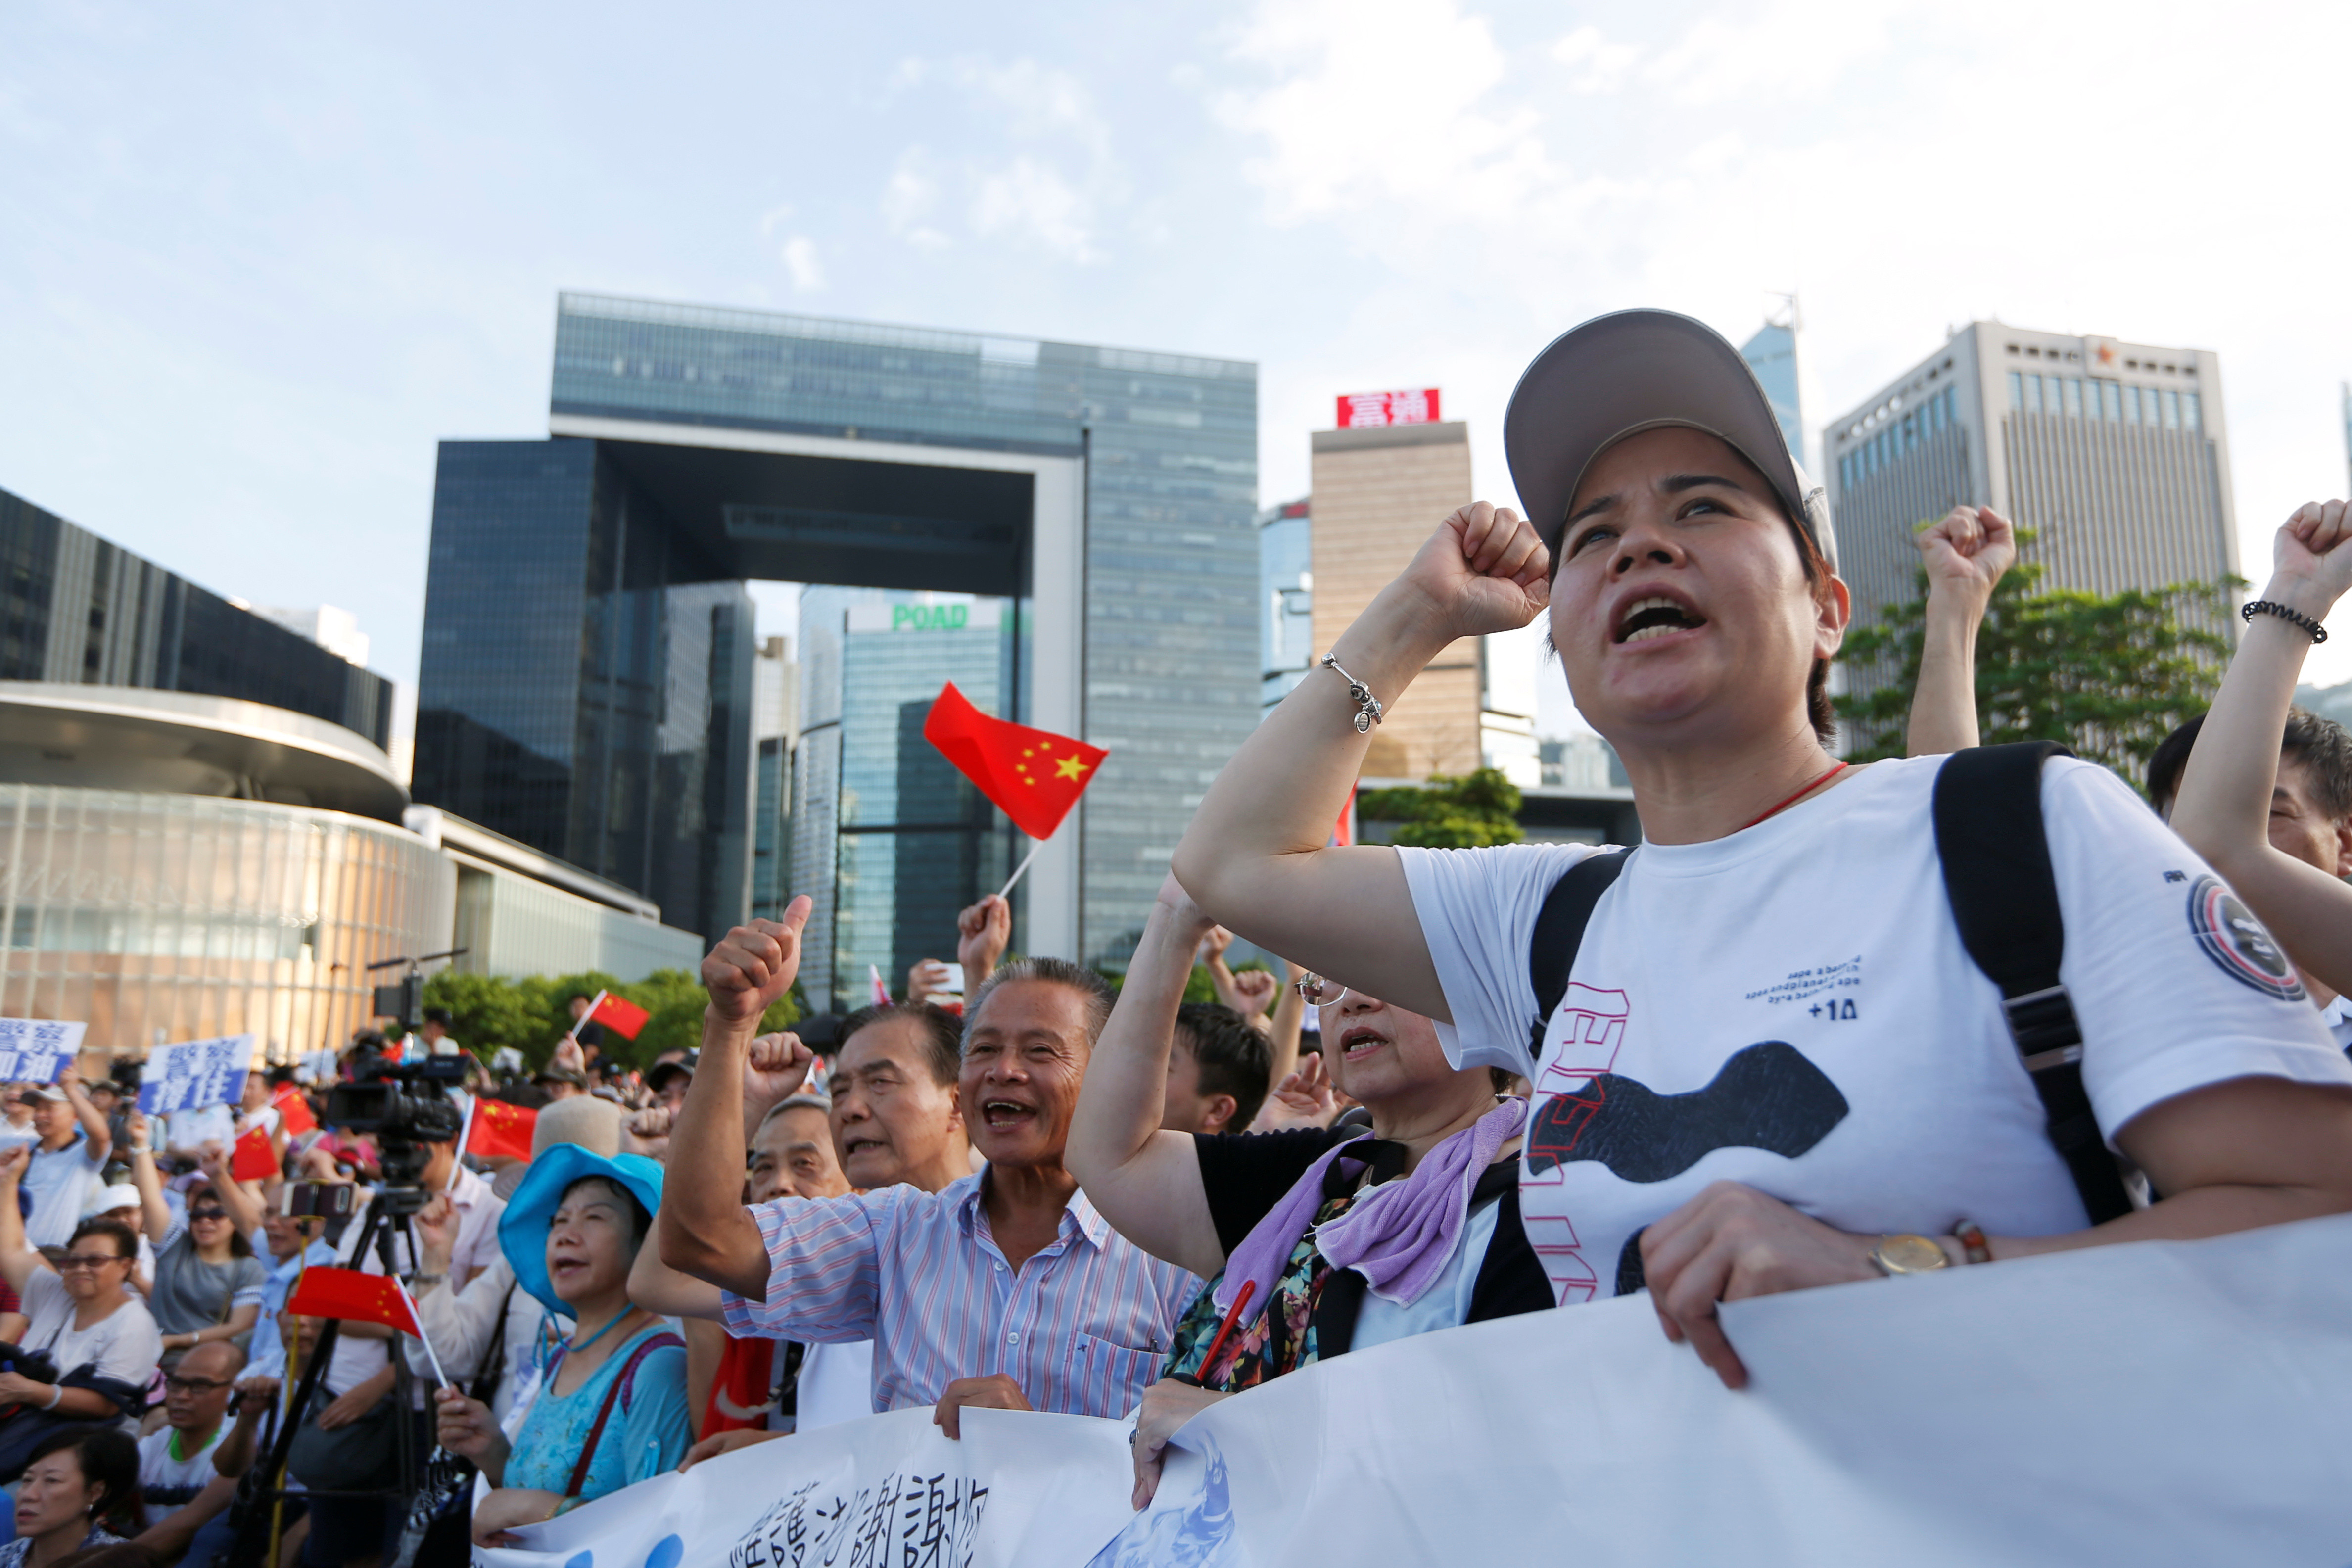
[(1620, 374)]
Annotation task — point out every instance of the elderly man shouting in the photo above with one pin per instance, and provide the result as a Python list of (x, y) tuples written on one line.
[(1005, 1288)]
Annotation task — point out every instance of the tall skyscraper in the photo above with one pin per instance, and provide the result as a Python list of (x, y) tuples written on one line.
[(1379, 492), (1286, 586), (2115, 454), (1771, 354), (1110, 490), (76, 609), (775, 722)]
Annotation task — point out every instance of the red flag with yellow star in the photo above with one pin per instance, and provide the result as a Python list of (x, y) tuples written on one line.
[(1034, 776)]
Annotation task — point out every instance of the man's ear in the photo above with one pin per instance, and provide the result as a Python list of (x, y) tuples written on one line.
[(2343, 847), (1221, 1112)]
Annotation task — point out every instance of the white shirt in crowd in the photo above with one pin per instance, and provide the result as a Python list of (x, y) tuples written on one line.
[(169, 1483), (836, 1385), (2337, 1016), (61, 1182), (1790, 1007), (124, 1345), (461, 1322), (355, 1359), (17, 1135)]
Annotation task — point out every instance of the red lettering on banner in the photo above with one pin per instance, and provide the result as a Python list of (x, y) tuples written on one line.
[(1371, 409)]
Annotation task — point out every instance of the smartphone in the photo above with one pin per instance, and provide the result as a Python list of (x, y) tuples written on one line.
[(953, 985), (327, 1200)]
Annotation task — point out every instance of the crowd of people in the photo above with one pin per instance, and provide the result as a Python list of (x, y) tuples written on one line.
[(1768, 1049)]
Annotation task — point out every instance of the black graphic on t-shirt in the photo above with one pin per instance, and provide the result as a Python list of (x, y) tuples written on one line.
[(1767, 1097)]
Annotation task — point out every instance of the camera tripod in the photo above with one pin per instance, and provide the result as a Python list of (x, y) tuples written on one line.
[(253, 1512)]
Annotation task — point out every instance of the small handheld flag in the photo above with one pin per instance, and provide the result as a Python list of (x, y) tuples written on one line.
[(1035, 777), (350, 1294), (500, 1130), (293, 1111), (251, 1159), (619, 1013), (879, 993)]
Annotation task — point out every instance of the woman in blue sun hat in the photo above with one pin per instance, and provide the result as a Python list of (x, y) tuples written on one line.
[(612, 1406)]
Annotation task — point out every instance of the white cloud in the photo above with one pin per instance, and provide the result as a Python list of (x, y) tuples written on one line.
[(800, 261), (1030, 201), (1605, 65), (909, 198)]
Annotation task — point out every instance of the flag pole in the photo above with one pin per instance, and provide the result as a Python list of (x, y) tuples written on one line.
[(1007, 891), (465, 1136), (417, 1321)]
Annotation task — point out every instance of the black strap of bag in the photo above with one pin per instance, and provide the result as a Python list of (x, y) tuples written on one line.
[(1559, 932), (1990, 837)]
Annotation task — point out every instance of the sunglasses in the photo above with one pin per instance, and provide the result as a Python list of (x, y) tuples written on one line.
[(207, 1214), (88, 1260)]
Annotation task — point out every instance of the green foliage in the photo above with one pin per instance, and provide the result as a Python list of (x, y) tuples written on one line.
[(2108, 675), (530, 1013), (1468, 813)]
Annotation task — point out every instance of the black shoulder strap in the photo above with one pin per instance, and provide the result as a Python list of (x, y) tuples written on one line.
[(1995, 860), (1559, 932)]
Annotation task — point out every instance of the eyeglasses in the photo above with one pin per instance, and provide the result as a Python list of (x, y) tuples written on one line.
[(1318, 991), (174, 1383), (88, 1260)]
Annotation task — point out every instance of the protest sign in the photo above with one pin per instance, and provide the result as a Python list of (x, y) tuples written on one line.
[(2158, 1404), (193, 1075), (34, 1050), (1019, 1488)]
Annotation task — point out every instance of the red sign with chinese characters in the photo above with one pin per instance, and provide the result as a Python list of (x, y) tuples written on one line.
[(1369, 409)]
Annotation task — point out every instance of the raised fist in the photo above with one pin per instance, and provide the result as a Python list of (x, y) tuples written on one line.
[(1967, 551), (983, 933), (775, 1067), (2313, 565), (754, 964), (1483, 570)]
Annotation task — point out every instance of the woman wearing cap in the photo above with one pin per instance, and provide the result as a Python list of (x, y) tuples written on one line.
[(611, 1407), (207, 1285), (1771, 1063)]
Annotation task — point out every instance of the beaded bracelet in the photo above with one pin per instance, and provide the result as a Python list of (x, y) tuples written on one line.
[(2292, 617)]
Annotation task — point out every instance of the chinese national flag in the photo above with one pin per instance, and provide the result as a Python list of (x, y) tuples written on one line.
[(251, 1159), (325, 1292), (1034, 776), (293, 1111), (501, 1130), (620, 1013)]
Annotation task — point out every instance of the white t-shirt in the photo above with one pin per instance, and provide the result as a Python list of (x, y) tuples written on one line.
[(2337, 1016), (1790, 1007), (61, 1181), (167, 1482), (124, 1345)]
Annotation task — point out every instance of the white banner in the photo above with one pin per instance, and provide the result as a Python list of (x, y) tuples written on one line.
[(34, 1050), (192, 1076), (2160, 1404)]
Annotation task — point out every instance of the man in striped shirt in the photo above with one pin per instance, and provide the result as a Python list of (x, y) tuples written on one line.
[(1005, 1288)]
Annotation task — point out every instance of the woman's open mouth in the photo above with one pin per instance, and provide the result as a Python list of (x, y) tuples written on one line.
[(1360, 1042), (1655, 616)]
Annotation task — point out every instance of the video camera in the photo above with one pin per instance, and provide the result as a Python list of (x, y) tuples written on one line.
[(407, 1108)]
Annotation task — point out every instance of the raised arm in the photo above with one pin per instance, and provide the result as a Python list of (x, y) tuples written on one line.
[(154, 1214), (17, 1259), (657, 1287), (86, 1111), (1289, 1023), (1144, 1180), (243, 1208), (1256, 856), (703, 1228), (2225, 803), (1965, 555)]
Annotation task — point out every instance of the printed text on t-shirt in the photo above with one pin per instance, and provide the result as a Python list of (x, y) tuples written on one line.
[(1802, 984)]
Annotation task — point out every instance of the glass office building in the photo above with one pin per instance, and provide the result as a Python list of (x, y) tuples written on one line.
[(1286, 586), (77, 610), (1167, 560), (1771, 354)]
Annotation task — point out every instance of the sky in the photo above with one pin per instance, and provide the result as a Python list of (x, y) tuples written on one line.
[(256, 260)]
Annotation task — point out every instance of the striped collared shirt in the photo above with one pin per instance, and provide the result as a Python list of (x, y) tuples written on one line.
[(1083, 1327)]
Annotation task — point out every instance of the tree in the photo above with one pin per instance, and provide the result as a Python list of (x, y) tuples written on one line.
[(530, 1013), (1468, 813), (2108, 675)]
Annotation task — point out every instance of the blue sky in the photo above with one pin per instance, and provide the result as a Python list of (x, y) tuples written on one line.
[(256, 260)]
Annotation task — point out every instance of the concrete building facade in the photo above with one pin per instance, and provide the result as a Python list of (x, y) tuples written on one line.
[(2115, 454)]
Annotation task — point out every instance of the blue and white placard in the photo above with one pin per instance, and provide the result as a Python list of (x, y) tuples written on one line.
[(195, 1074), (34, 1050)]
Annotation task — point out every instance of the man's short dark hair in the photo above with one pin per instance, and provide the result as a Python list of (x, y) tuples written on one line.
[(125, 1239), (440, 1016), (2324, 749), (1235, 1057), (942, 1034), (1092, 988), (2164, 764)]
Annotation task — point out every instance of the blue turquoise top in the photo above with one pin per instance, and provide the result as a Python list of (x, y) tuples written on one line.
[(649, 1431)]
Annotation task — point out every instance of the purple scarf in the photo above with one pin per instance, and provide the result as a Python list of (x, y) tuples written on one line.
[(1398, 1238)]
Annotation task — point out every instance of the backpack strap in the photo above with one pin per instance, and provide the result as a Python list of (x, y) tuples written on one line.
[(1995, 851), (613, 1395), (1559, 932)]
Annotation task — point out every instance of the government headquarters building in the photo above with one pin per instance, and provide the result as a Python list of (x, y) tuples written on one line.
[(587, 685)]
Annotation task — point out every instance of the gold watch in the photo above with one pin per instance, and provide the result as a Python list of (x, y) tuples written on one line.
[(1908, 1254)]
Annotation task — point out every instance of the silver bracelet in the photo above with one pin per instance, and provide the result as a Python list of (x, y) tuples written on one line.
[(57, 1391), (1367, 707)]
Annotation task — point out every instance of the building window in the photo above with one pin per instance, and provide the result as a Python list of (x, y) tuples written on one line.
[(2171, 410), (2131, 405), (2033, 395), (2074, 396), (2016, 391), (2111, 401), (2192, 417)]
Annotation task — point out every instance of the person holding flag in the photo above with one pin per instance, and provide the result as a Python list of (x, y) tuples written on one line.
[(611, 1409)]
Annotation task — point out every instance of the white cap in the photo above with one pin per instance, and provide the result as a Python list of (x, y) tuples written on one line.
[(118, 1196)]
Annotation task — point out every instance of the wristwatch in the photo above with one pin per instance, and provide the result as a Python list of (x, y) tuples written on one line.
[(1908, 1254)]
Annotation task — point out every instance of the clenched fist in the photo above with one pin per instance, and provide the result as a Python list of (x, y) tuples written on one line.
[(754, 964)]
